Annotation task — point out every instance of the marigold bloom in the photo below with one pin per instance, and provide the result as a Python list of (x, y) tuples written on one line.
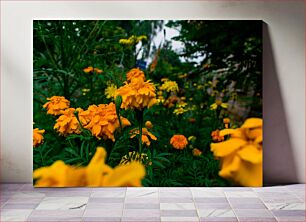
[(110, 91), (56, 105), (97, 173), (217, 104), (148, 124), (38, 137), (216, 137), (67, 123), (137, 94), (241, 155), (134, 156), (196, 152), (135, 73), (169, 86), (226, 122), (178, 142), (145, 135), (192, 120), (104, 121), (91, 69)]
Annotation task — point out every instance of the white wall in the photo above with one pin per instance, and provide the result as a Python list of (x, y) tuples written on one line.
[(285, 22)]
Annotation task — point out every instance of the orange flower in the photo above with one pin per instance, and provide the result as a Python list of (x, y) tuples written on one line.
[(216, 137), (90, 69), (56, 105), (196, 152), (226, 122), (179, 142), (135, 73), (148, 124), (192, 120), (145, 135), (103, 121), (67, 123), (137, 94), (38, 137)]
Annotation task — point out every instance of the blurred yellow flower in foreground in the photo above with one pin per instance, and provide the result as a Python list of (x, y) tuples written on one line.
[(218, 103), (67, 123), (241, 155), (137, 94), (38, 137), (145, 135), (56, 105), (135, 73), (103, 121), (110, 91), (178, 142), (96, 174), (169, 86)]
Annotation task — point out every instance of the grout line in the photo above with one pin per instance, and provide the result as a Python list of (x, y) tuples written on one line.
[(123, 207), (158, 197), (231, 205), (266, 206), (91, 190), (196, 207)]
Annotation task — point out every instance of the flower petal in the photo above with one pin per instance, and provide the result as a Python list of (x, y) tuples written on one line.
[(125, 175), (252, 123), (251, 154), (227, 147)]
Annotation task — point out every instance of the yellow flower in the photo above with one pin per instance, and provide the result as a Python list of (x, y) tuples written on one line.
[(148, 124), (145, 135), (91, 69), (169, 86), (96, 174), (179, 110), (134, 156), (110, 91), (38, 137), (183, 76), (219, 103), (178, 142), (135, 73), (164, 79), (56, 105), (241, 155), (216, 137), (137, 94), (67, 123), (192, 138), (104, 121), (132, 40), (196, 152)]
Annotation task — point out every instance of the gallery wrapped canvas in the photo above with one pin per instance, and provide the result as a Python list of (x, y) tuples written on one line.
[(147, 103)]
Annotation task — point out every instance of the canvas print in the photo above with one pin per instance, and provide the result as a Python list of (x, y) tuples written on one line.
[(157, 103)]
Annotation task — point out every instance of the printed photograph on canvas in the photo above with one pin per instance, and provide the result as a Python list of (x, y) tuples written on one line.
[(154, 103)]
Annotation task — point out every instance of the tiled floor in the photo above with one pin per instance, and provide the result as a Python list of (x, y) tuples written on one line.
[(22, 202)]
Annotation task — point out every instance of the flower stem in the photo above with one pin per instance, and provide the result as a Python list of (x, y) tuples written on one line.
[(139, 115)]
